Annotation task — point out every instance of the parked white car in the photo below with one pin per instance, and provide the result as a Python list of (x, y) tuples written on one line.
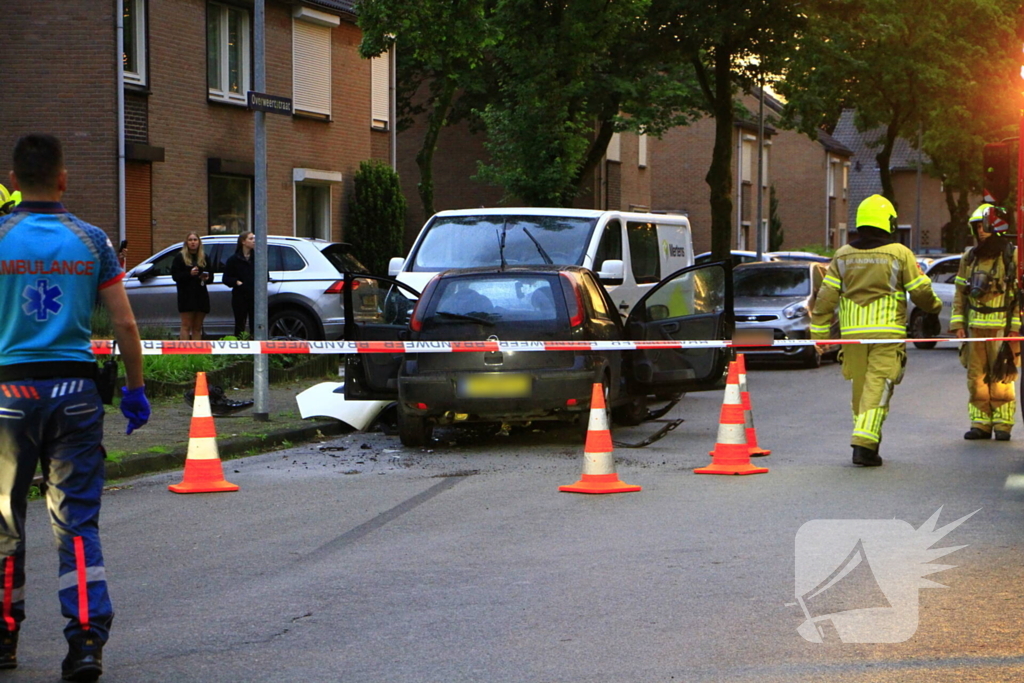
[(941, 272), (304, 290)]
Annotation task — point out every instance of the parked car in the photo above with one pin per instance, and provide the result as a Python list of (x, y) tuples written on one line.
[(738, 257), (779, 296), (942, 272), (304, 290), (629, 251), (799, 256), (537, 303)]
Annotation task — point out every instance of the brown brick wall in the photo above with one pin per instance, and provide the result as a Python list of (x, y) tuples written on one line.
[(933, 205), (136, 117), (61, 56), (193, 129), (678, 163), (797, 167)]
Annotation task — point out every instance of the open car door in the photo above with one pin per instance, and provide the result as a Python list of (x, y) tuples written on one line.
[(376, 309), (692, 303)]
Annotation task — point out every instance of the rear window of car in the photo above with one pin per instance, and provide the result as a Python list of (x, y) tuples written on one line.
[(285, 258), (496, 300), (757, 282), (342, 258)]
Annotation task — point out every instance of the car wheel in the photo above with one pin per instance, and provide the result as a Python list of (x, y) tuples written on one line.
[(917, 330), (413, 430), (632, 413), (291, 323), (813, 358)]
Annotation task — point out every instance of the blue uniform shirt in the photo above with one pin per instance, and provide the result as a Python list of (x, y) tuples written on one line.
[(52, 265)]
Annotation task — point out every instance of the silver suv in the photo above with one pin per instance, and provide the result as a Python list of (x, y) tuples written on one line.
[(304, 292)]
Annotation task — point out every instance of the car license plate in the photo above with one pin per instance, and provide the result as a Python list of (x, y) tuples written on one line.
[(495, 385)]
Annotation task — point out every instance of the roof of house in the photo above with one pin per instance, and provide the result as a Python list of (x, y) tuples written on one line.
[(827, 141), (864, 177)]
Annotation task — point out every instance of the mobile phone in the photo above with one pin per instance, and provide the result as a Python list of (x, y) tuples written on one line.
[(124, 245)]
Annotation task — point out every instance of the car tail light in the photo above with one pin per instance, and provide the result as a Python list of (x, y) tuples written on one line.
[(416, 321), (571, 402), (573, 300), (339, 287), (421, 406)]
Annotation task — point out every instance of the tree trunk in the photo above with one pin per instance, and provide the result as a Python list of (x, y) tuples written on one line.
[(719, 176), (597, 150), (425, 157), (884, 159)]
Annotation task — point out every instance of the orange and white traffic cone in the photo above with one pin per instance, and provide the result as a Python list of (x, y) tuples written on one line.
[(598, 464), (731, 454), (748, 412), (203, 471)]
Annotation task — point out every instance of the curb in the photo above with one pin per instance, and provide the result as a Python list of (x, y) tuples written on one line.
[(150, 463)]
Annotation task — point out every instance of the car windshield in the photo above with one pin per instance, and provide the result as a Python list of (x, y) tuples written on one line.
[(341, 258), (497, 299), (471, 241), (757, 282)]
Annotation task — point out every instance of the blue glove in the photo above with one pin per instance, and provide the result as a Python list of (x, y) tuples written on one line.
[(135, 407)]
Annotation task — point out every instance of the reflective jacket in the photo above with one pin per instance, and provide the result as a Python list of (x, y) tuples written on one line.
[(997, 305), (871, 286)]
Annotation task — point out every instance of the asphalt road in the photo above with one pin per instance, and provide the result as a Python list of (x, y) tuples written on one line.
[(462, 562)]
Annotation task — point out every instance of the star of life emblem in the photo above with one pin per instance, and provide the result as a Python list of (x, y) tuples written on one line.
[(42, 300)]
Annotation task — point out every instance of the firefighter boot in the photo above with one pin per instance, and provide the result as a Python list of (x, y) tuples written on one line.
[(976, 433), (84, 661), (8, 650), (866, 457)]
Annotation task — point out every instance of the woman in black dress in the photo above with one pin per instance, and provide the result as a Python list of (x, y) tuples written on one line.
[(191, 272), (240, 276)]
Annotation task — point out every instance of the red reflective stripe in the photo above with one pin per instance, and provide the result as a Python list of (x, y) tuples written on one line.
[(35, 394), (9, 594), (17, 391), (83, 588), (6, 392)]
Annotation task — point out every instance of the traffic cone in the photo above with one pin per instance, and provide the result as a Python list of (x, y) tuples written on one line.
[(203, 471), (731, 454), (598, 464), (748, 412)]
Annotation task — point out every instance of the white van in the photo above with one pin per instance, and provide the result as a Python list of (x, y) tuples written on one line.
[(630, 252)]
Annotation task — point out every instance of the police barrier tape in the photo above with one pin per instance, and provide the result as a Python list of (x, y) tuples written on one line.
[(254, 348)]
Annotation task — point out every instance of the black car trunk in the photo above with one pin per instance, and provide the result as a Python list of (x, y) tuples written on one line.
[(495, 361)]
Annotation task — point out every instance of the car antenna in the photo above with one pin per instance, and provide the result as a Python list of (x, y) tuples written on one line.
[(501, 241)]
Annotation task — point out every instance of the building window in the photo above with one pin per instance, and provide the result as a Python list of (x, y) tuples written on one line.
[(313, 210), (230, 204), (641, 150), (134, 56), (380, 84), (311, 61), (614, 150), (227, 52)]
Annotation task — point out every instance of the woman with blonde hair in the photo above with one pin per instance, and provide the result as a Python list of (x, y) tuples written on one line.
[(191, 271)]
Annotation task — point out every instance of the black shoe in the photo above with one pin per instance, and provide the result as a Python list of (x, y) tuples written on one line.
[(85, 659), (1002, 436), (866, 457), (974, 434), (8, 650)]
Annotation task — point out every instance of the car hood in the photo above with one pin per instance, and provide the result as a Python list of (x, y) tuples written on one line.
[(774, 304)]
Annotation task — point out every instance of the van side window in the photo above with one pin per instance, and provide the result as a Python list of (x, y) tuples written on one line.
[(610, 246), (643, 252)]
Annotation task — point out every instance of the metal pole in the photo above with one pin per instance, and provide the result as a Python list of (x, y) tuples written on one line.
[(121, 209), (261, 390), (916, 241), (760, 175)]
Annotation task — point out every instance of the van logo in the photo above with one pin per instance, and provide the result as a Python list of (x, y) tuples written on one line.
[(673, 251)]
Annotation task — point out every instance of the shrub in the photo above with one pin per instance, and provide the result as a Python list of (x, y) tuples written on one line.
[(377, 224)]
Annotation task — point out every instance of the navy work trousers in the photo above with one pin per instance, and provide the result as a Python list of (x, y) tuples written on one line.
[(58, 425)]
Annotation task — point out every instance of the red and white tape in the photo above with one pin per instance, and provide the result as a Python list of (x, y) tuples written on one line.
[(255, 348)]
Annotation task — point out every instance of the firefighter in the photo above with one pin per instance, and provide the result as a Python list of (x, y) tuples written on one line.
[(8, 200), (986, 304), (869, 280)]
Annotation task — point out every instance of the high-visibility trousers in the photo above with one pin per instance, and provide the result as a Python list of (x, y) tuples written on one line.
[(992, 404), (58, 425), (875, 370)]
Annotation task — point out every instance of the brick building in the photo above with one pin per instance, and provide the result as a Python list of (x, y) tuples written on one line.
[(640, 173), (188, 136)]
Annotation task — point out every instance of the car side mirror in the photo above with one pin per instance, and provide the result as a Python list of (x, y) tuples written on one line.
[(395, 266), (144, 272), (657, 312), (612, 272)]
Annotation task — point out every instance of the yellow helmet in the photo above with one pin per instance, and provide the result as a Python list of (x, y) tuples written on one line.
[(991, 217), (7, 200), (877, 212)]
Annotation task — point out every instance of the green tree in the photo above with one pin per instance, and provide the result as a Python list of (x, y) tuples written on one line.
[(731, 46), (440, 48), (377, 220), (775, 232), (900, 64)]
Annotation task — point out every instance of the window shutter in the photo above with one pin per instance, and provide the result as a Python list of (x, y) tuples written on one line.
[(380, 83), (311, 67), (641, 150), (614, 151)]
